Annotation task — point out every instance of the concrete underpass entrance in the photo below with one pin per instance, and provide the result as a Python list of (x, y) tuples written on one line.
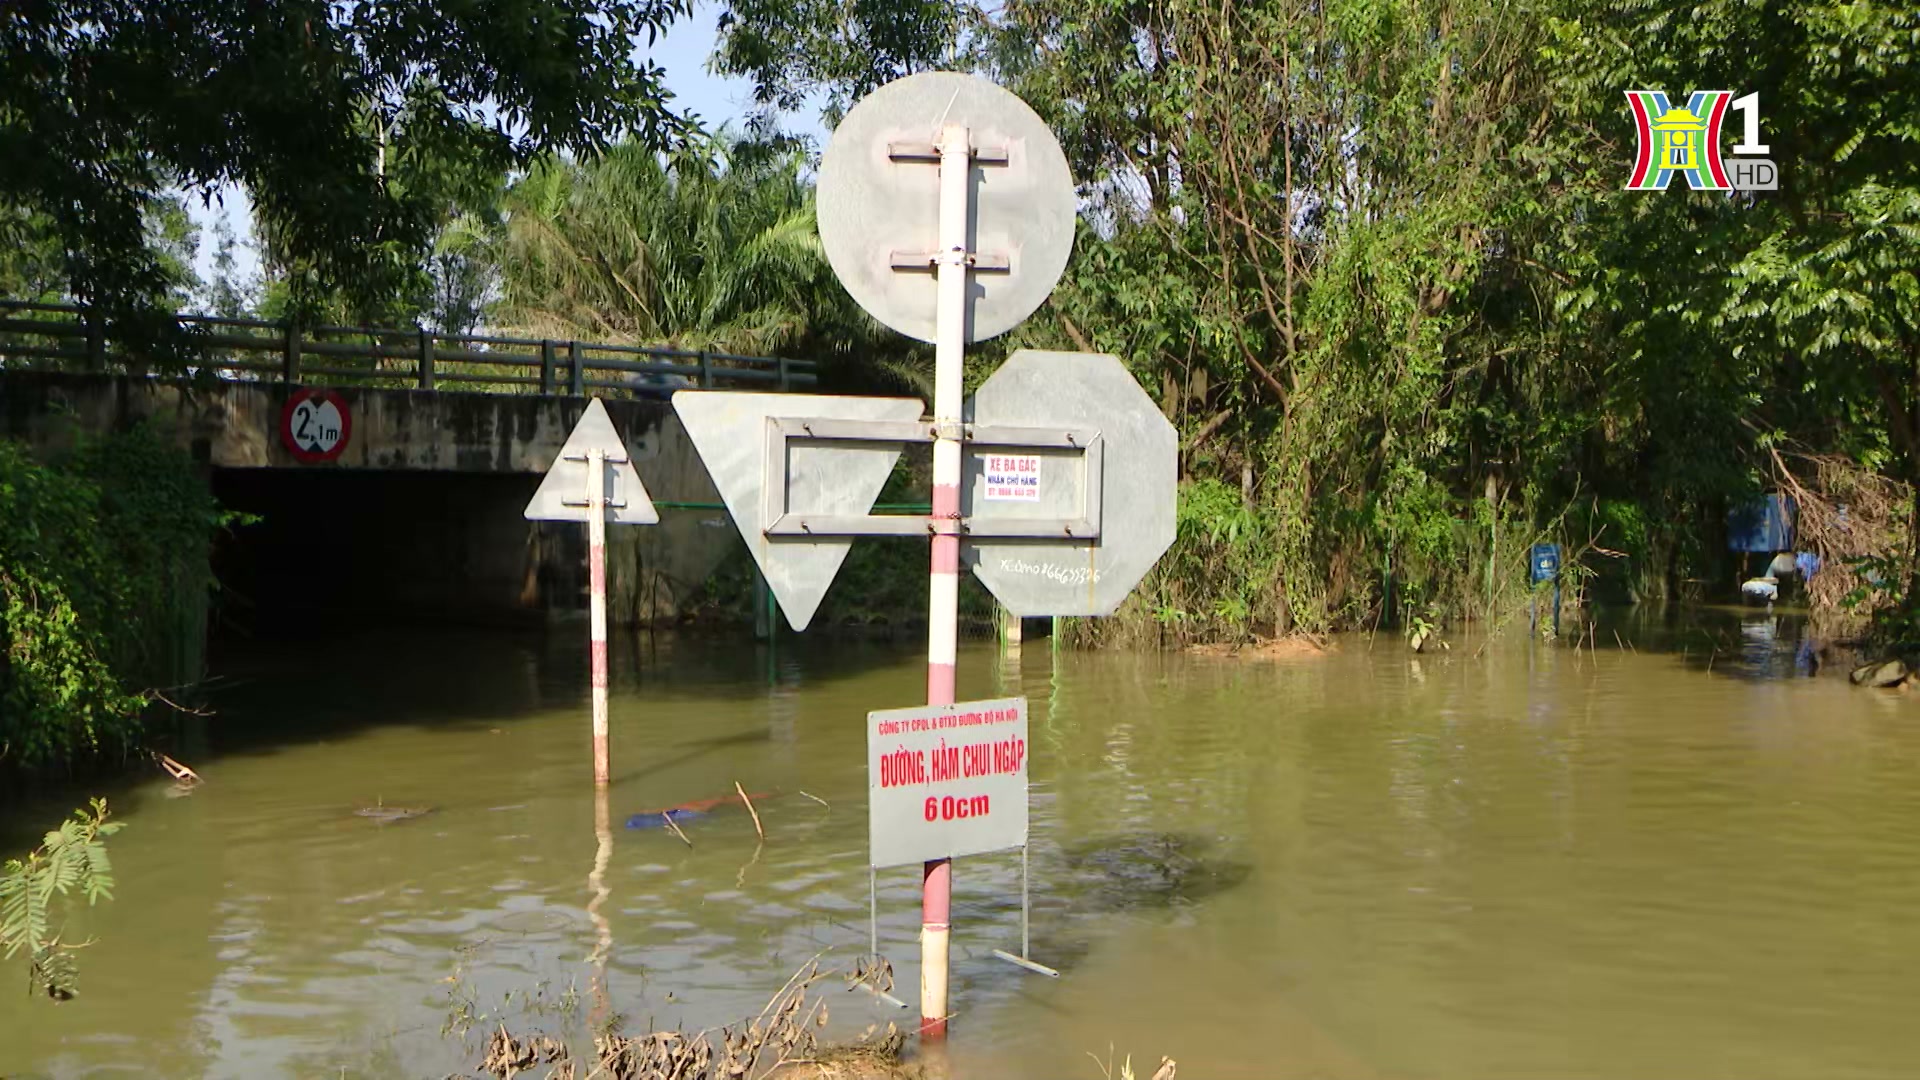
[(335, 546), (420, 518)]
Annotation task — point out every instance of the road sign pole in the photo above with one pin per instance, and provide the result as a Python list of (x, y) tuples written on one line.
[(596, 447), (943, 600), (597, 604)]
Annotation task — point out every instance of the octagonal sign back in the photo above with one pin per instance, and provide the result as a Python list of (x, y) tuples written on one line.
[(1139, 472)]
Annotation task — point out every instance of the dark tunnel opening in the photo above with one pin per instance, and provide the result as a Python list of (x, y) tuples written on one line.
[(335, 549)]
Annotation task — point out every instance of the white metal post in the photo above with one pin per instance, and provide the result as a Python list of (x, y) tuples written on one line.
[(943, 601)]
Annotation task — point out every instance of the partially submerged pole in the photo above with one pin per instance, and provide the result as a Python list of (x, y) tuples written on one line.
[(943, 599), (612, 493), (597, 606), (603, 931), (1009, 631)]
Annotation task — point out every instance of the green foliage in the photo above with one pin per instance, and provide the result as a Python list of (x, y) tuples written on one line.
[(793, 49), (1375, 261), (1210, 584), (633, 248), (72, 858), (351, 126), (714, 251), (103, 583)]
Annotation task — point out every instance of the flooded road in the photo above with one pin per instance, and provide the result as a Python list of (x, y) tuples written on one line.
[(1523, 864)]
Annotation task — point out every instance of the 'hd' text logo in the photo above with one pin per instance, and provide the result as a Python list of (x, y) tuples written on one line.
[(1686, 141)]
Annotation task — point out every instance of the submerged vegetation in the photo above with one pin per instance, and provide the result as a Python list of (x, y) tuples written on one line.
[(72, 859), (782, 1041)]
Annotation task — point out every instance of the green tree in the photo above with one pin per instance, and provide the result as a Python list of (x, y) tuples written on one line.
[(713, 251), (1375, 261), (103, 586), (1803, 302), (798, 51), (347, 124)]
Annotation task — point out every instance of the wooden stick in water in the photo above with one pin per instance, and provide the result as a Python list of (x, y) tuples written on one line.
[(750, 809), (667, 816)]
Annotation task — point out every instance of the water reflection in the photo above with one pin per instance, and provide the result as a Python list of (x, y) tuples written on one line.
[(1666, 854)]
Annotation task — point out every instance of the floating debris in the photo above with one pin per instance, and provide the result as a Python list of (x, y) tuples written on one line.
[(388, 815), (185, 780)]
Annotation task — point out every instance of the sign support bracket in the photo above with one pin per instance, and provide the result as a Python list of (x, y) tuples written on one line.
[(782, 431)]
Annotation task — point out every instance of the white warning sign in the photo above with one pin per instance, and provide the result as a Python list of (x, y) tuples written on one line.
[(1012, 477), (946, 780)]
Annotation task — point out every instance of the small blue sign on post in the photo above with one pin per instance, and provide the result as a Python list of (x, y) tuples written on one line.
[(1546, 562)]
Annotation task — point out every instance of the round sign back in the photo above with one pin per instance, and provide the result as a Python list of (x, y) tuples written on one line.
[(879, 203), (315, 425)]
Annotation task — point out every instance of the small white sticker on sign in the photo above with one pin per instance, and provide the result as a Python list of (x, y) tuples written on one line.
[(1012, 477)]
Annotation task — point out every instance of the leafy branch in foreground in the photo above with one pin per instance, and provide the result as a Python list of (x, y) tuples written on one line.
[(72, 857)]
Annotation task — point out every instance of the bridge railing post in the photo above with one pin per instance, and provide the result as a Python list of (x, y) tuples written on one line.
[(546, 367), (426, 359), (706, 371), (577, 378), (290, 354), (96, 340), (782, 361)]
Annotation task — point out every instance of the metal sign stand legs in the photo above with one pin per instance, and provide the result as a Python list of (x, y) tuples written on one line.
[(1026, 931), (873, 936), (1026, 919)]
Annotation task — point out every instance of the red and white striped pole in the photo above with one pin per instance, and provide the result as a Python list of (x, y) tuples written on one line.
[(943, 601), (597, 604)]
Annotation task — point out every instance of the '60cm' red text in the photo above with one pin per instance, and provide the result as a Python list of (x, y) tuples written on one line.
[(948, 808)]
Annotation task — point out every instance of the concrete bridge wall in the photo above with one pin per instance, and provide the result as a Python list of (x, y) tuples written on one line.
[(420, 516)]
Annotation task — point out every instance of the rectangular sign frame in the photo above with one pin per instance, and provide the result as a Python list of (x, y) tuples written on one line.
[(783, 522)]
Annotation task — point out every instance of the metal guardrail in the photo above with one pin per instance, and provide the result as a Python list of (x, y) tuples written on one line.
[(69, 337)]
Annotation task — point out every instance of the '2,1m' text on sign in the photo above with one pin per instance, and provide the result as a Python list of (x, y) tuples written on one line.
[(946, 780)]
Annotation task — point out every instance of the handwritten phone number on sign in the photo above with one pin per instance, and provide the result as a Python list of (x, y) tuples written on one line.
[(1012, 477)]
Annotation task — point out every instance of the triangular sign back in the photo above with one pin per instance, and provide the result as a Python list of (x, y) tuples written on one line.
[(729, 429), (562, 496)]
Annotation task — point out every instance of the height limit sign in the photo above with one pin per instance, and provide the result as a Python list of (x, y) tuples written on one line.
[(946, 780)]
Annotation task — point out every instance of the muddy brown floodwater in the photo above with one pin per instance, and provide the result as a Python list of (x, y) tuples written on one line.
[(1526, 864)]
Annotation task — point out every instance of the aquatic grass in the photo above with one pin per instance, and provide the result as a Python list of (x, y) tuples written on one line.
[(1165, 1072)]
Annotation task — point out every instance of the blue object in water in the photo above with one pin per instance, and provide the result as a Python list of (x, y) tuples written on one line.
[(659, 820), (1806, 564), (1765, 526), (1546, 562)]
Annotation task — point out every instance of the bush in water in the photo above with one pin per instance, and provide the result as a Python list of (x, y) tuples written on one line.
[(103, 585)]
